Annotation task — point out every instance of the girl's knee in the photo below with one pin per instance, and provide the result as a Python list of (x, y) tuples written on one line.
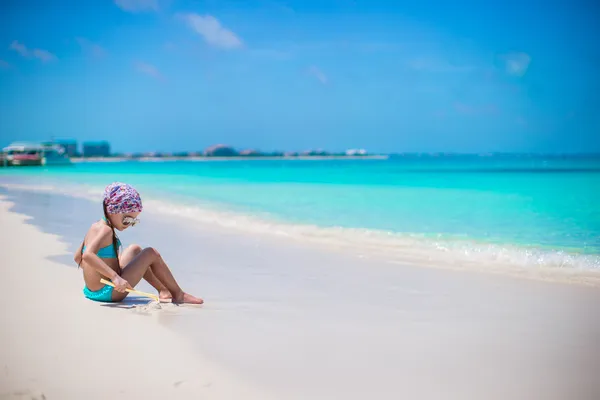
[(152, 252), (135, 248)]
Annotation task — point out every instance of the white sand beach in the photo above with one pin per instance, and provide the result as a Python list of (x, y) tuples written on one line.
[(282, 320), (56, 345)]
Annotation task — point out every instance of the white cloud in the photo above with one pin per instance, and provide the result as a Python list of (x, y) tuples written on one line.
[(90, 48), (212, 31), (148, 69), (19, 48), (281, 7), (43, 55), (318, 74), (516, 63), (137, 5)]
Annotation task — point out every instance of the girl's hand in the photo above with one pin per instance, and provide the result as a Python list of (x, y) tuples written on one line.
[(121, 284), (78, 258)]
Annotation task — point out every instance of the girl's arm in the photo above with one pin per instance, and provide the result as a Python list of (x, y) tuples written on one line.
[(91, 258), (78, 256)]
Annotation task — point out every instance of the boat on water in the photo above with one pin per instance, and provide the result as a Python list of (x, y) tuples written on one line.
[(25, 154)]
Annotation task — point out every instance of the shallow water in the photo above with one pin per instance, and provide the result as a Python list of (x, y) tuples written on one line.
[(525, 211)]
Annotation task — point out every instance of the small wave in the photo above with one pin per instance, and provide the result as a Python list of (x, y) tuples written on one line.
[(504, 170)]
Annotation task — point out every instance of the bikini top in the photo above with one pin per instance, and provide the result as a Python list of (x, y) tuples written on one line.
[(108, 251)]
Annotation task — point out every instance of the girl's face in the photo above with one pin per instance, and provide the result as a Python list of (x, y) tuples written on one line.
[(124, 220)]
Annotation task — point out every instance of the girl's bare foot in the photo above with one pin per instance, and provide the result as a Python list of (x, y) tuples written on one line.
[(187, 299), (164, 294)]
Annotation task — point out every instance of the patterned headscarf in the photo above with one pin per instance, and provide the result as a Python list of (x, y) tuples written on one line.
[(121, 198)]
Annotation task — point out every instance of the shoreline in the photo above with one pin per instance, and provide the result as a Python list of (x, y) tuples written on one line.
[(235, 158), (525, 262)]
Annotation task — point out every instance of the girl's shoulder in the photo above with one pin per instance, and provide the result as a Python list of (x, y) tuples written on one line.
[(99, 231)]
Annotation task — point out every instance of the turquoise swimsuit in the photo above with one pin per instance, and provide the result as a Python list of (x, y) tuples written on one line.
[(104, 294)]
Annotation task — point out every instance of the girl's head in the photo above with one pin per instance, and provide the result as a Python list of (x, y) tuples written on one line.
[(122, 205)]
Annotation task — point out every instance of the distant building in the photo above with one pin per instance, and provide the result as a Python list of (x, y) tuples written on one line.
[(318, 152), (356, 152), (69, 145), (250, 153), (96, 149), (220, 150)]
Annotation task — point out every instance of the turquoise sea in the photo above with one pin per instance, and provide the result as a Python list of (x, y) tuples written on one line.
[(542, 210)]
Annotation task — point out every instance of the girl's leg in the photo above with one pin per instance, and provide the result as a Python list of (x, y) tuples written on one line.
[(151, 259), (128, 255)]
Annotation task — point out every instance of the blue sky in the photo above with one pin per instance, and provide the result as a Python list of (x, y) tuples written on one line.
[(388, 76)]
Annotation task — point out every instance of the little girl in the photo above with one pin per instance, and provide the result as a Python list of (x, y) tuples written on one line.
[(99, 254)]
